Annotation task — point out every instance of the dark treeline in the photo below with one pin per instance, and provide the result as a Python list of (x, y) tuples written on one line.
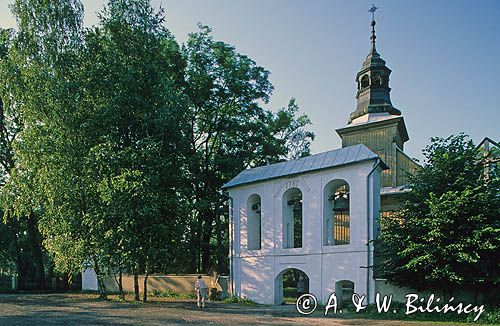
[(115, 141)]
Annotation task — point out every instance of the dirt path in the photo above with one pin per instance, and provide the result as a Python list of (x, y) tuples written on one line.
[(78, 309)]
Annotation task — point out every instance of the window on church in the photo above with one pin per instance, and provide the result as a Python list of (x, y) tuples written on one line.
[(385, 81), (337, 219), (376, 80), (365, 81), (344, 290), (292, 218), (254, 223)]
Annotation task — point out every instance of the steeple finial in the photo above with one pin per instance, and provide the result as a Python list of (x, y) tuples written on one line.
[(373, 37)]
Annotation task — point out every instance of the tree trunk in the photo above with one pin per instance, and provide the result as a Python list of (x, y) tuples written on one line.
[(205, 248), (450, 291), (220, 244), (199, 242), (120, 283), (36, 247), (100, 280), (70, 280), (13, 225), (145, 292), (136, 285)]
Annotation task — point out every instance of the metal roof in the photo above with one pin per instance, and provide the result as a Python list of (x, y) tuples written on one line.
[(325, 160)]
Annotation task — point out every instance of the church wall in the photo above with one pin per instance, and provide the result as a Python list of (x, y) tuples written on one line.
[(343, 266), (381, 140), (258, 274), (405, 167), (257, 278), (89, 280), (392, 202)]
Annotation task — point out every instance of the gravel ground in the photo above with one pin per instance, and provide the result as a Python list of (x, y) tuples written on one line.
[(85, 309)]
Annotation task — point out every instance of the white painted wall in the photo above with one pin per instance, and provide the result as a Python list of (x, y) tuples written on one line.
[(255, 272), (89, 280)]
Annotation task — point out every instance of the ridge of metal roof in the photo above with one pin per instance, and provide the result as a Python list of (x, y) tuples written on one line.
[(337, 157)]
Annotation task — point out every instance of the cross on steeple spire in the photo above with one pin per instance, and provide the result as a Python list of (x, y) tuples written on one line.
[(372, 10), (373, 37)]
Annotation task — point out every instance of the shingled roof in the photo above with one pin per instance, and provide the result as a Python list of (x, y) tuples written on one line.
[(337, 157)]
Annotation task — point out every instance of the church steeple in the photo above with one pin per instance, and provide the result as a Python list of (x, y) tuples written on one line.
[(373, 37), (373, 95), (378, 125)]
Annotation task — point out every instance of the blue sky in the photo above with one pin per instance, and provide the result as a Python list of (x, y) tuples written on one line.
[(444, 56)]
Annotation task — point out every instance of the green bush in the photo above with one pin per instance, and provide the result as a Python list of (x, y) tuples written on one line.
[(171, 294), (491, 315), (290, 292), (239, 300)]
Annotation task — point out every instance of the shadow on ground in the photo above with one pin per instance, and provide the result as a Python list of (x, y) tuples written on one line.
[(85, 309)]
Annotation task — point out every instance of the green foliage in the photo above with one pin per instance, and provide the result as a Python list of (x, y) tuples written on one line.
[(21, 252), (448, 234), (491, 316), (41, 84), (8, 131), (119, 140), (289, 295), (174, 295), (239, 300), (132, 66), (230, 130)]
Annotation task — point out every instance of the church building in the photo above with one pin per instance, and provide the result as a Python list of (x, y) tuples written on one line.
[(318, 215), (377, 124)]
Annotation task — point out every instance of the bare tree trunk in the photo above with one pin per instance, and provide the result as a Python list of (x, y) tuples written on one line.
[(207, 229), (199, 240), (13, 224), (136, 285), (36, 247), (145, 293), (70, 280), (220, 244), (205, 252), (146, 271), (120, 283), (100, 280)]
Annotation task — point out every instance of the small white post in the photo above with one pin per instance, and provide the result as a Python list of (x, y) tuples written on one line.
[(14, 283)]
